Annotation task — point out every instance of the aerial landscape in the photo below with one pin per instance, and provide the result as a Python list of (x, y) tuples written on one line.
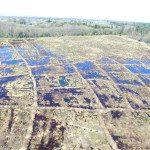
[(73, 92), (70, 83)]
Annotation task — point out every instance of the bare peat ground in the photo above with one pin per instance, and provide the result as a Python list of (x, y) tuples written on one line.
[(72, 93)]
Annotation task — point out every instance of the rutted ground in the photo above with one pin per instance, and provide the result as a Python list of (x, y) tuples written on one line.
[(74, 93)]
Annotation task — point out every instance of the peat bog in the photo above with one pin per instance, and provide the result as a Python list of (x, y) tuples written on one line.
[(56, 95)]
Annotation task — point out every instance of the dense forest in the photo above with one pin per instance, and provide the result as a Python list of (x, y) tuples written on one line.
[(19, 27)]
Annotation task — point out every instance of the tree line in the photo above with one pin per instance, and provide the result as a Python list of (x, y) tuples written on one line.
[(43, 27)]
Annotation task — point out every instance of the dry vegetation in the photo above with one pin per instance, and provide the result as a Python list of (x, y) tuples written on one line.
[(72, 93)]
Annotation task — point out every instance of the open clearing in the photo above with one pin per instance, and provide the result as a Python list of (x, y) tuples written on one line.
[(72, 93)]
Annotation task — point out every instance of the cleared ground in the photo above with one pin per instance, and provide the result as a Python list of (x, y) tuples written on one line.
[(74, 93)]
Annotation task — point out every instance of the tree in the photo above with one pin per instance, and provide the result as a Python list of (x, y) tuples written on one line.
[(49, 21), (20, 34), (22, 21)]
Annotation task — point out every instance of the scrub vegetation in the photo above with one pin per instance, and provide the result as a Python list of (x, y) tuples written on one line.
[(19, 27)]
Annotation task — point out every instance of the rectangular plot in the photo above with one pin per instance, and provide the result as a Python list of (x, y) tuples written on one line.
[(53, 69), (28, 53), (78, 98), (41, 70), (13, 70), (108, 94), (113, 68), (145, 61), (42, 82), (20, 127), (62, 69), (125, 78), (59, 80), (44, 52), (69, 68), (145, 79), (20, 69), (62, 129), (127, 60), (147, 66), (137, 96), (6, 56), (6, 117), (12, 62), (16, 97), (16, 42), (130, 130), (36, 61), (89, 71), (70, 80), (5, 72), (106, 60), (16, 82), (4, 48), (138, 69), (20, 46), (47, 52)]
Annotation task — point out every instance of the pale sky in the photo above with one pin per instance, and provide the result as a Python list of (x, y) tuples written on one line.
[(122, 10)]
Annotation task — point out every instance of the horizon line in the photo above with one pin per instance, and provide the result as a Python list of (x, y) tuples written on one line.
[(27, 16)]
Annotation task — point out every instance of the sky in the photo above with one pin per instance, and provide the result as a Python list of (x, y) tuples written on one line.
[(120, 10)]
